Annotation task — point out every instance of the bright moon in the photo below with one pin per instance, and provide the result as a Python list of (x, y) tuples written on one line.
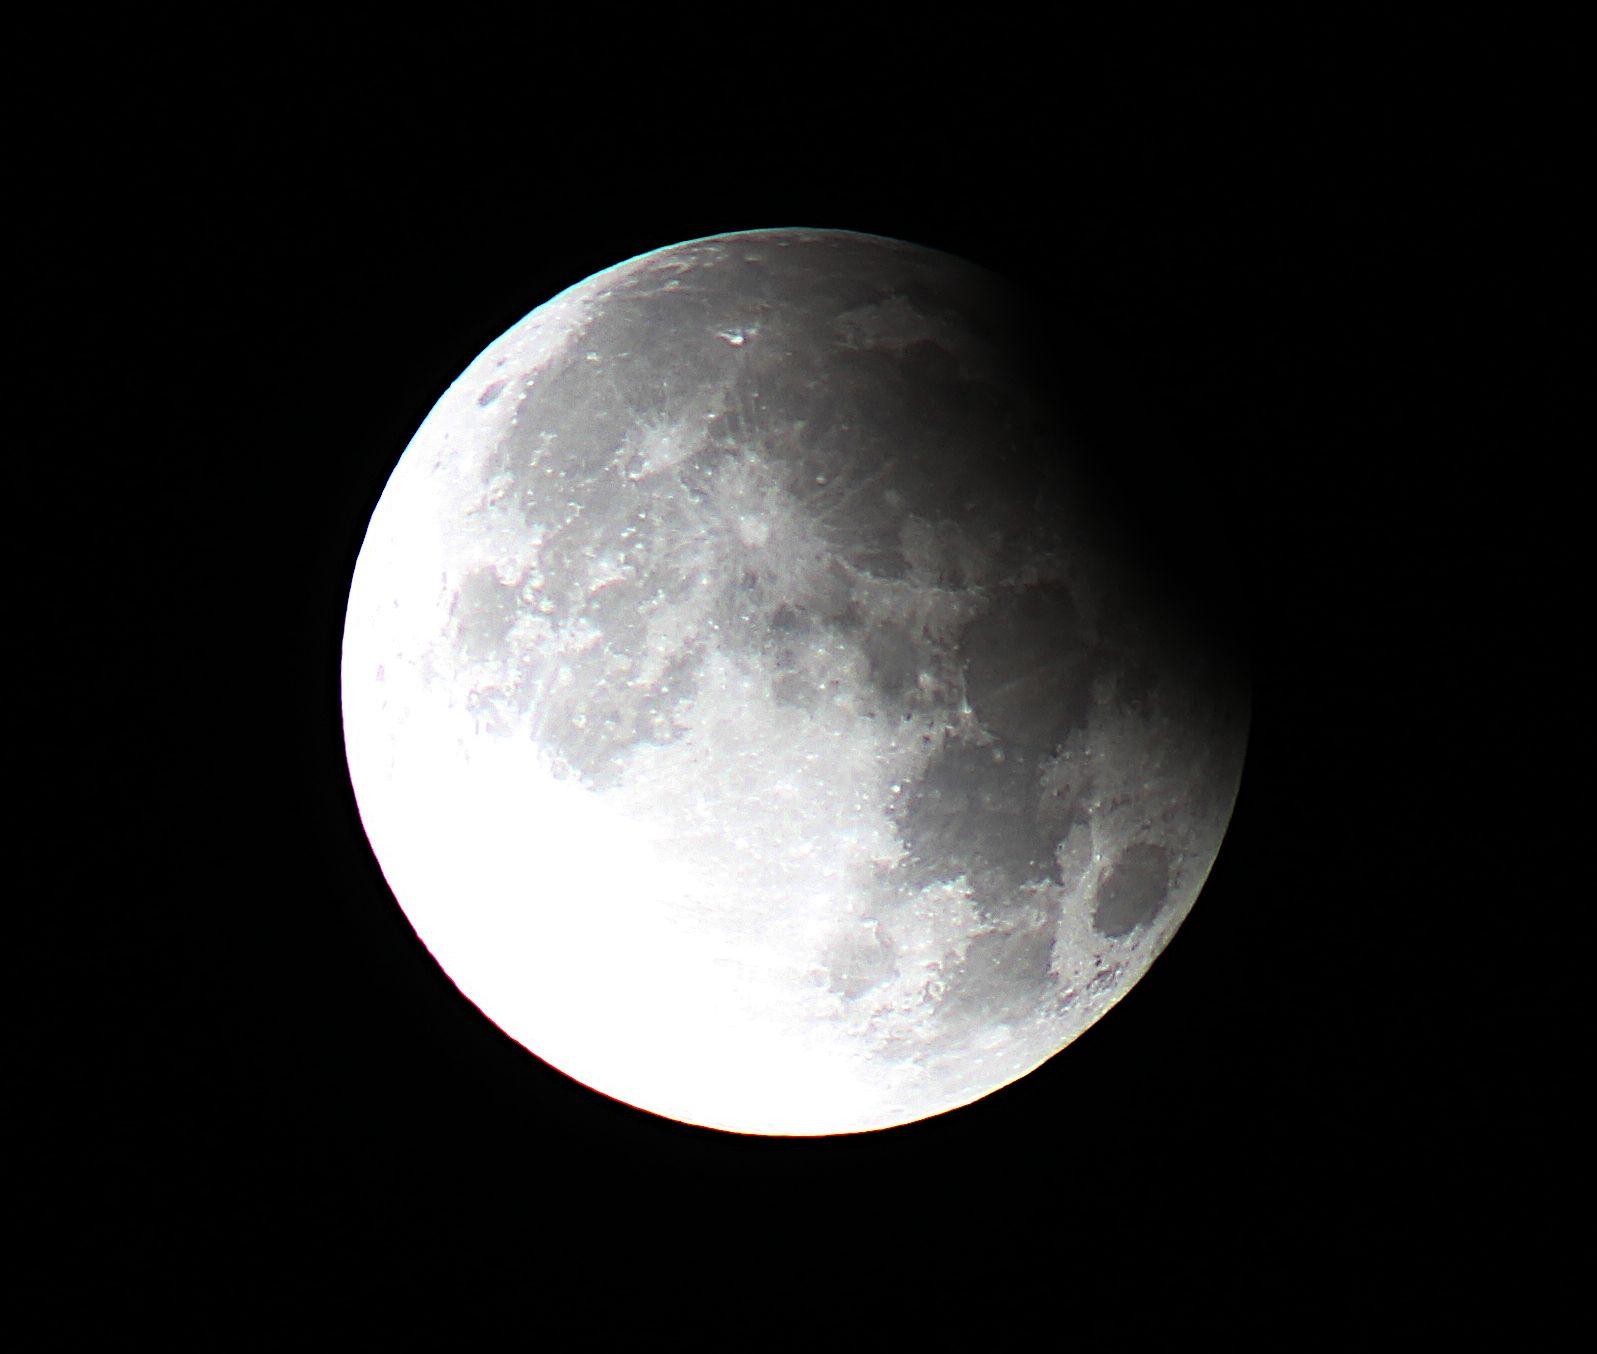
[(748, 711)]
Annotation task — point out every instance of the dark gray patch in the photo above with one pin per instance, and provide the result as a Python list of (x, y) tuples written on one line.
[(786, 621), (1135, 681), (490, 393), (1133, 891), (1002, 979), (879, 559), (1026, 667), (791, 689), (928, 361), (596, 720), (857, 963), (483, 612), (832, 599), (975, 812), (894, 659)]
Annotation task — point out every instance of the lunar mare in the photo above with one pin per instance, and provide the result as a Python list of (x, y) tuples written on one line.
[(746, 708)]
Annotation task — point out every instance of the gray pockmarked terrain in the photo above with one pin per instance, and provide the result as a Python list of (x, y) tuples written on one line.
[(747, 707)]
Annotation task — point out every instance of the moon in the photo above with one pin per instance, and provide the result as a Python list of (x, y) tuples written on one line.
[(749, 706)]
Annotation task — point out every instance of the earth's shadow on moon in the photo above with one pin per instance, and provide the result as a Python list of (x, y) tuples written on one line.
[(853, 581)]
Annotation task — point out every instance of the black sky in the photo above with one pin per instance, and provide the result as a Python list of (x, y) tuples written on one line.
[(1317, 279)]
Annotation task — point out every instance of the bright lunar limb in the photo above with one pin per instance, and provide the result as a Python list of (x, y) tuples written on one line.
[(746, 708)]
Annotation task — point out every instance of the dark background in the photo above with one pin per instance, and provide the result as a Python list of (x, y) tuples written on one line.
[(1313, 286)]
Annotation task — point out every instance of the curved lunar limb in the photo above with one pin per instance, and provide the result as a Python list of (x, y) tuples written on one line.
[(746, 708)]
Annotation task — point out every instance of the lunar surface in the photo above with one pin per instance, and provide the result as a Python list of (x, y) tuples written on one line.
[(748, 708)]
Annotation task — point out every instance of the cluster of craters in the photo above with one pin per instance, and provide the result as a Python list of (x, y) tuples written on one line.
[(801, 460)]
